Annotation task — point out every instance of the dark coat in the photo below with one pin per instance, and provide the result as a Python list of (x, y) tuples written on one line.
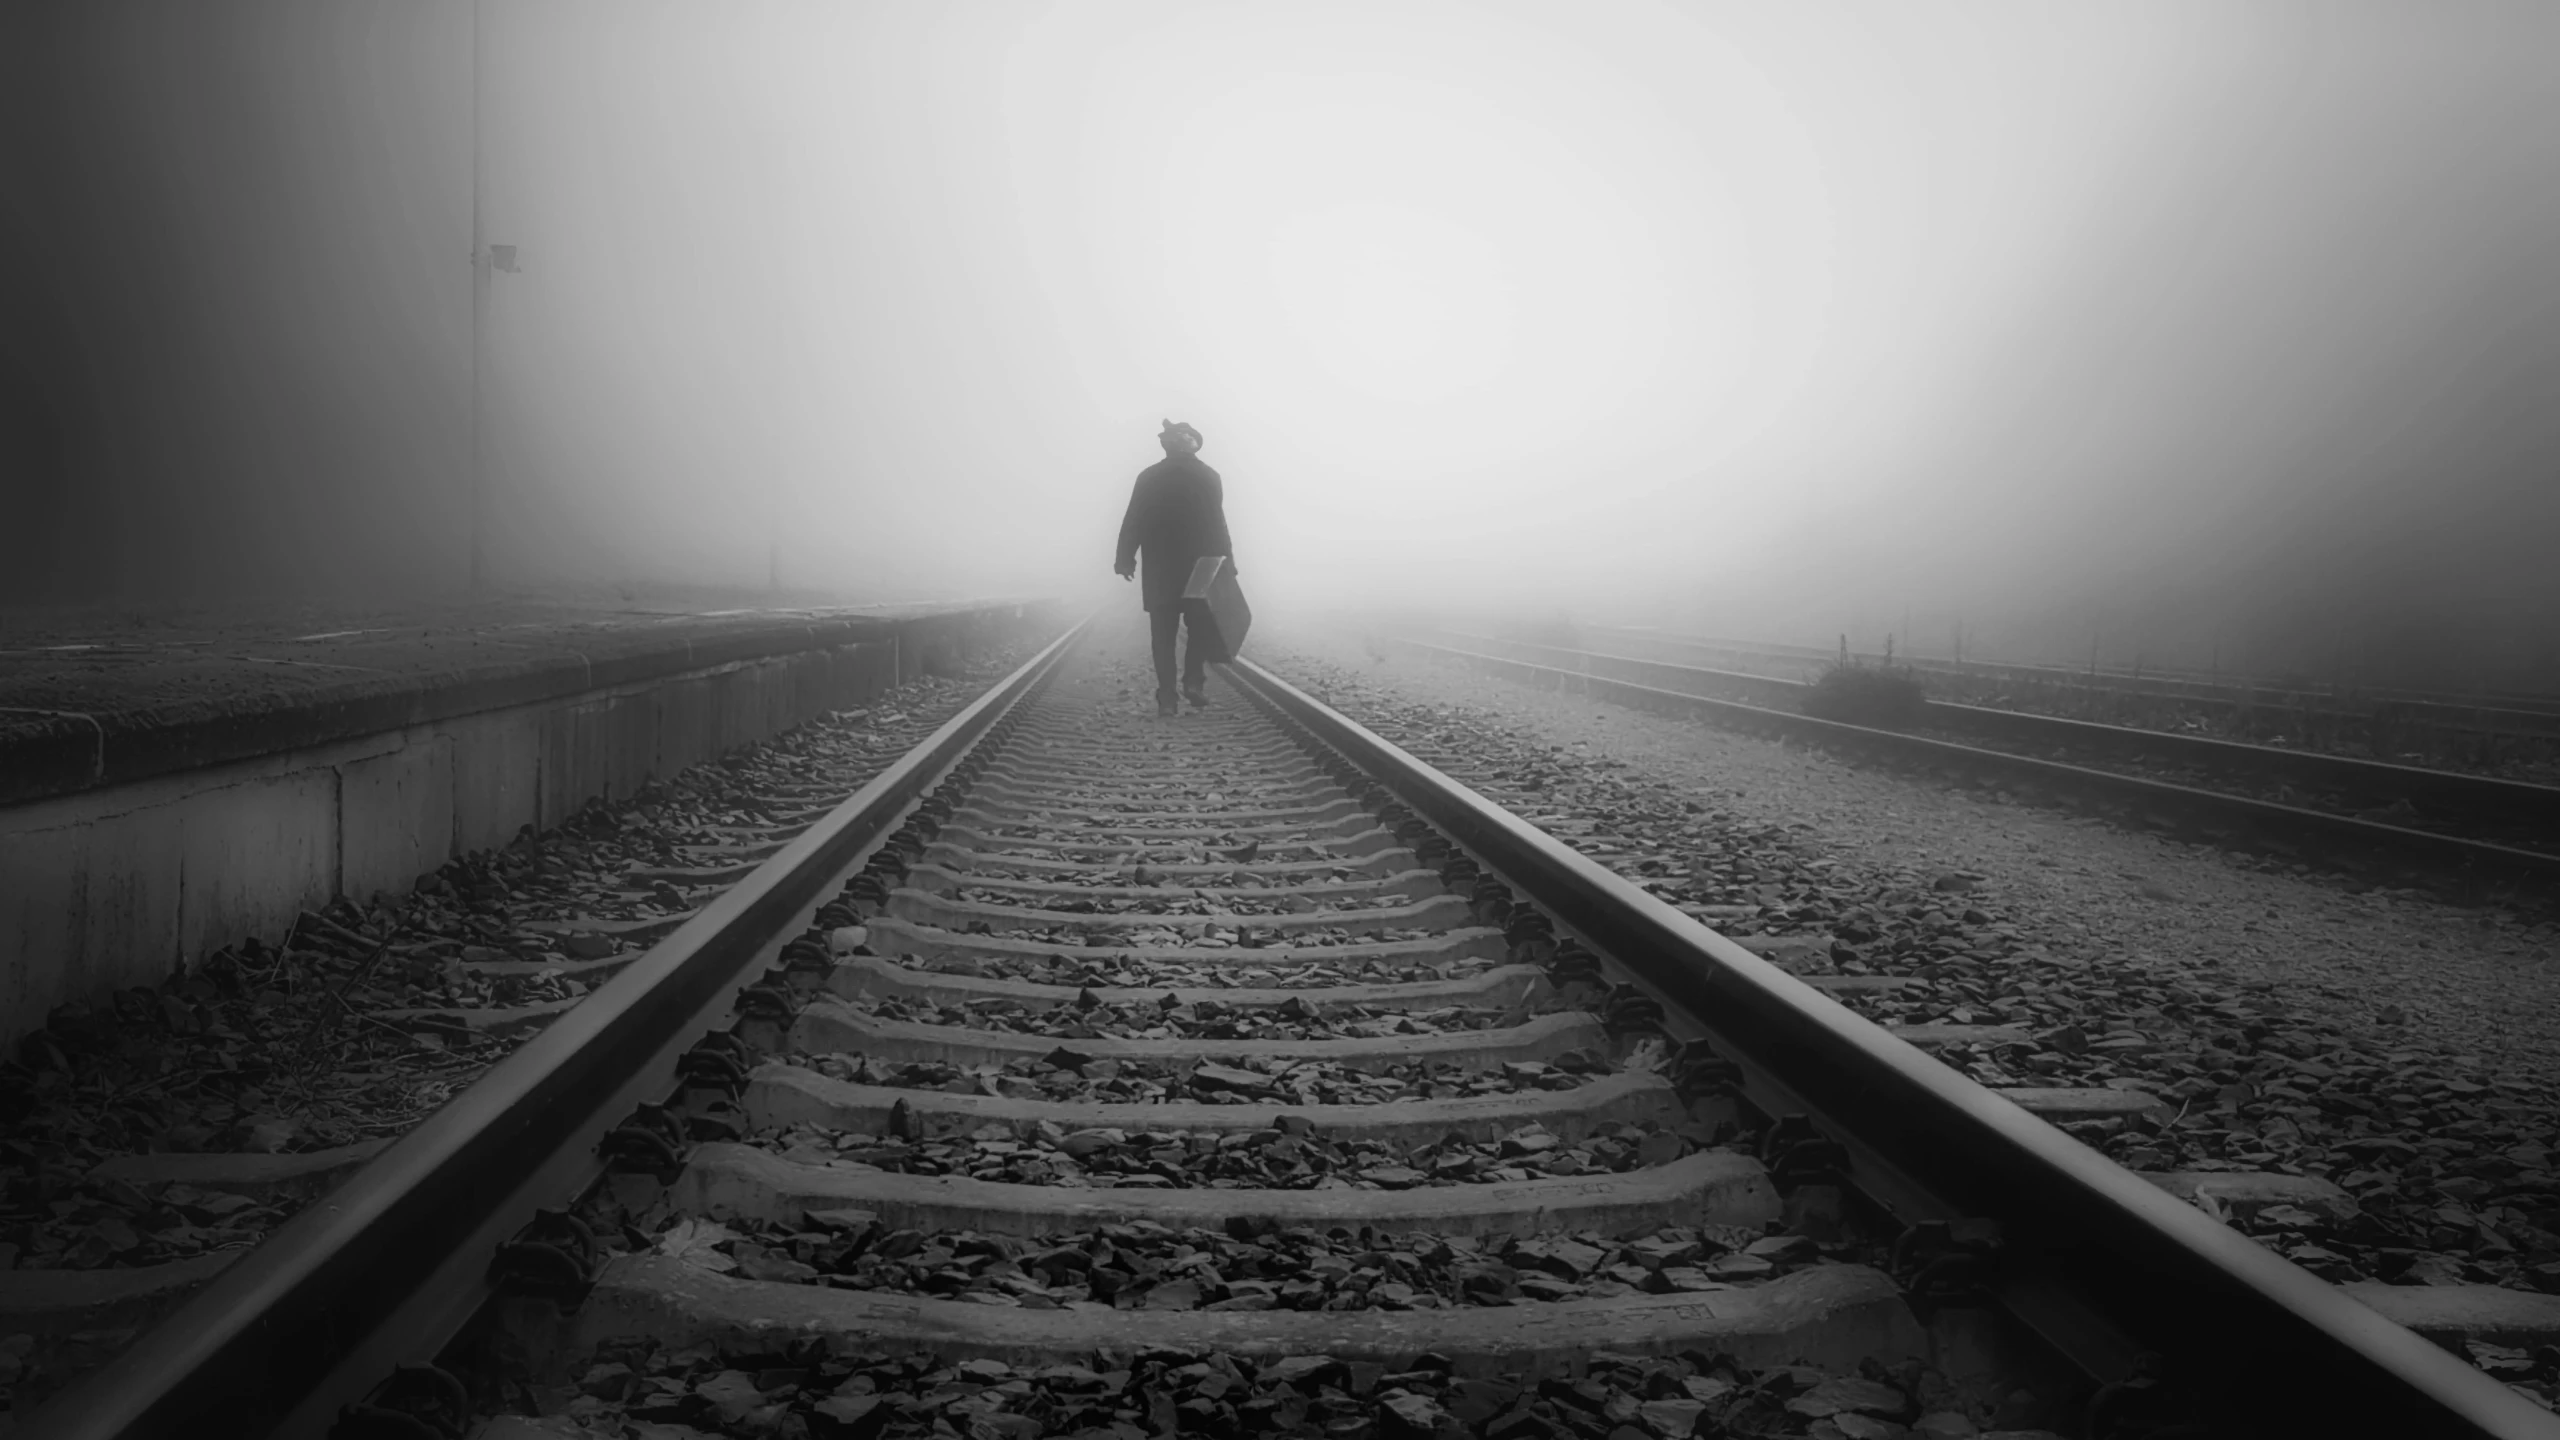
[(1177, 514)]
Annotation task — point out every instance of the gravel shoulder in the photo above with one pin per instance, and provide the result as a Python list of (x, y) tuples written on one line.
[(2399, 970), (2391, 1049), (165, 1132)]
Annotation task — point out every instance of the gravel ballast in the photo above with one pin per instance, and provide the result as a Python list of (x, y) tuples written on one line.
[(2402, 1048), (2404, 968), (681, 1393), (168, 1131)]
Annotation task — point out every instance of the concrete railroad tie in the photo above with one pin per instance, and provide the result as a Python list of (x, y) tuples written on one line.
[(891, 936), (1500, 987), (829, 1026), (1418, 884), (784, 1095)]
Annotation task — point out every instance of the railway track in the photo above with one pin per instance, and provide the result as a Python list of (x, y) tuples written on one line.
[(2494, 836), (189, 1121), (1085, 1073), (2494, 713)]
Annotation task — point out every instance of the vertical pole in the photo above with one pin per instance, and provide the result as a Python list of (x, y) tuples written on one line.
[(479, 314)]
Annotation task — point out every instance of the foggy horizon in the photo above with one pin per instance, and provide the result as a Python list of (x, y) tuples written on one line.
[(2165, 331)]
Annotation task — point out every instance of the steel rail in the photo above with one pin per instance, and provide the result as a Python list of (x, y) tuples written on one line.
[(2282, 826), (2512, 802), (392, 1263), (2514, 713), (2262, 1336)]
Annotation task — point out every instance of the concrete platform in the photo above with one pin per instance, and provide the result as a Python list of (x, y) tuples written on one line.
[(163, 796)]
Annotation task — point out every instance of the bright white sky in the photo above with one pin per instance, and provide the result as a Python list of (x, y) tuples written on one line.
[(1514, 298)]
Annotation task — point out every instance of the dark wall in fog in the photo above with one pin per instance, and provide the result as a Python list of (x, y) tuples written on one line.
[(234, 329)]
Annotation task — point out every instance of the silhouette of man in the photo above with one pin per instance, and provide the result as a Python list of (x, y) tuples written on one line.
[(1177, 513)]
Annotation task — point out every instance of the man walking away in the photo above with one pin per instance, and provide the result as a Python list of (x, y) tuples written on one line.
[(1177, 514)]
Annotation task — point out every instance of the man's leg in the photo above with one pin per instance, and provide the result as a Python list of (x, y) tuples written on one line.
[(1195, 659), (1160, 627)]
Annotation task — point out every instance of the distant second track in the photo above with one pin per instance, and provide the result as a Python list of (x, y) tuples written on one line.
[(2497, 836)]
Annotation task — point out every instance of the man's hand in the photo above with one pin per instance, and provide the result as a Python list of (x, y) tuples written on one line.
[(1125, 572)]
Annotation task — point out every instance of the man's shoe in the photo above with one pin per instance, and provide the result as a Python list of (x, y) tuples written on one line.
[(1197, 695), (1166, 704)]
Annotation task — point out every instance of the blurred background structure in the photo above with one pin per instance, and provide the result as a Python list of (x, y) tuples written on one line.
[(2199, 333)]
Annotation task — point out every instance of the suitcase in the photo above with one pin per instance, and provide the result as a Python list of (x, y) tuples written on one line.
[(1212, 595)]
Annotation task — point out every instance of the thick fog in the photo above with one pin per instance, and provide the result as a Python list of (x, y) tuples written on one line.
[(2179, 329)]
